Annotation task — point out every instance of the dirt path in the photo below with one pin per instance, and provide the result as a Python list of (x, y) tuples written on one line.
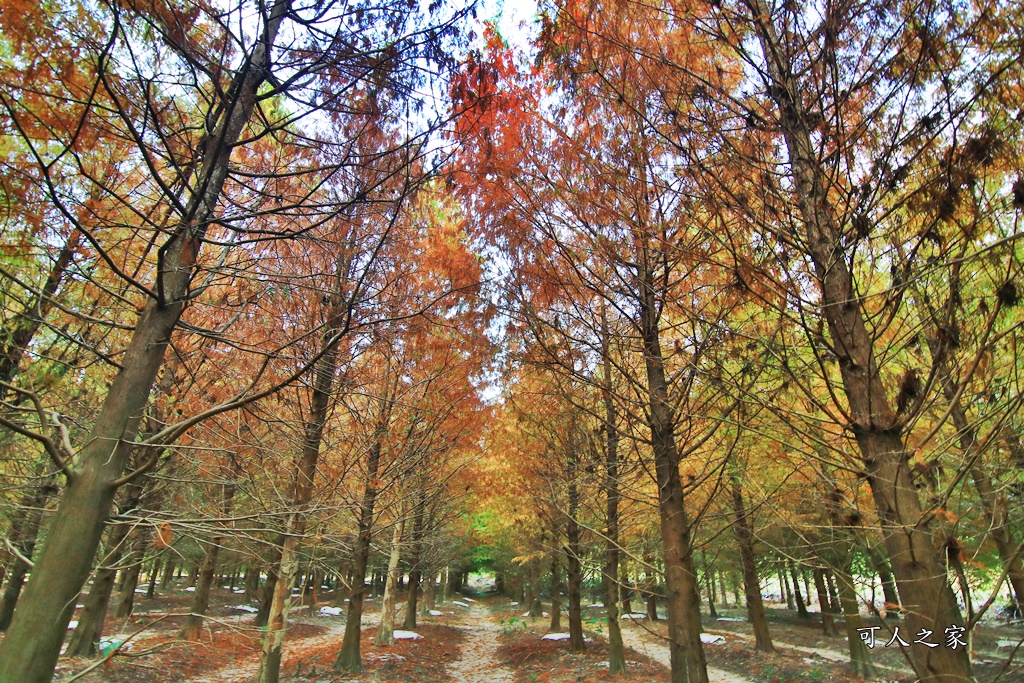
[(478, 662), (821, 652), (644, 643)]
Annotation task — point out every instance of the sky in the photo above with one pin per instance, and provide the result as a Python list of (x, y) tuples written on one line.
[(515, 19)]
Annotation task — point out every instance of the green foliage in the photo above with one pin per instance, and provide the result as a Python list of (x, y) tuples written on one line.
[(512, 626)]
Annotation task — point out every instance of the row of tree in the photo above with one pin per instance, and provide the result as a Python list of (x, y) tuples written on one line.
[(762, 268), (237, 308)]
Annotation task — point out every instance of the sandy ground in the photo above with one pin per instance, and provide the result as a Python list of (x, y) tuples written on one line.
[(636, 637), (478, 662)]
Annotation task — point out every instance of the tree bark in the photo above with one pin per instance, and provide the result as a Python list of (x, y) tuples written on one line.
[(751, 582), (153, 573), (556, 588), (24, 534), (349, 659), (90, 622), (860, 657), (252, 581), (801, 606), (126, 597), (572, 551), (429, 592), (683, 600), (386, 628), (881, 566), (168, 573), (787, 594), (536, 607), (270, 587), (337, 320), (192, 629), (833, 594), (709, 585), (924, 588), (828, 626), (415, 572), (24, 326), (29, 652)]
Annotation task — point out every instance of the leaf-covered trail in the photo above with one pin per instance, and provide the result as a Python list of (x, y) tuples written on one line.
[(478, 662), (652, 646)]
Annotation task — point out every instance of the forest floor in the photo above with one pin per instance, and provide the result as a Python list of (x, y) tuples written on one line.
[(491, 641)]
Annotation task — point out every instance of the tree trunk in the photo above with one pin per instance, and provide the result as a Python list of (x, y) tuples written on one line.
[(709, 585), (833, 595), (252, 581), (192, 630), (94, 613), (828, 626), (349, 659), (29, 652), (337, 318), (556, 604), (616, 651), (126, 598), (787, 594), (536, 608), (650, 587), (386, 629), (860, 659), (270, 587), (572, 551), (921, 578), (881, 566), (23, 327), (625, 592), (751, 582), (90, 621), (429, 584), (415, 572), (684, 628), (23, 536), (168, 574), (153, 573), (800, 605)]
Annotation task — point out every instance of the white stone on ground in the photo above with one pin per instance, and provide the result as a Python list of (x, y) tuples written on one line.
[(406, 635), (560, 636), (460, 604), (556, 636), (436, 613), (633, 615), (246, 608), (711, 639), (331, 611)]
